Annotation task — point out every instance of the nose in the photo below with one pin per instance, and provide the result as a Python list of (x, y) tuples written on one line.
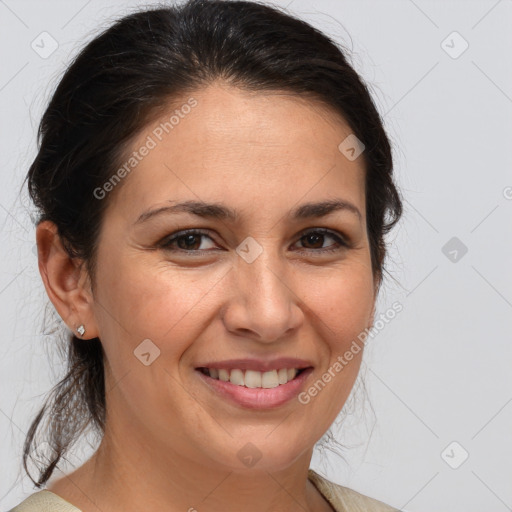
[(263, 304)]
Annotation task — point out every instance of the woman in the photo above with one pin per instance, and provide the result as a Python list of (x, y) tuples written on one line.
[(214, 186)]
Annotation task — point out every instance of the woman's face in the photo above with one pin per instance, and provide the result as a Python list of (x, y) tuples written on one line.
[(252, 287)]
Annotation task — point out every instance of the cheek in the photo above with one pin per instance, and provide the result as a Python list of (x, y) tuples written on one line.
[(342, 302), (137, 302), (154, 301), (341, 306), (140, 300)]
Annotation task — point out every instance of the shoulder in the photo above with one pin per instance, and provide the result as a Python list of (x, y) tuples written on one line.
[(344, 499), (44, 501)]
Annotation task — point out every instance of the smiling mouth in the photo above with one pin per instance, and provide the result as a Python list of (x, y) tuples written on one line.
[(253, 379)]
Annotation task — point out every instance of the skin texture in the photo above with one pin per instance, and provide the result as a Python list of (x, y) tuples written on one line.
[(170, 442)]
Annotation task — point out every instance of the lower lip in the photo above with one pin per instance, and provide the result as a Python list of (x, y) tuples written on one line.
[(258, 398)]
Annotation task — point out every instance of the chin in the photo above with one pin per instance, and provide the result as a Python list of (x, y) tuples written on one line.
[(261, 453)]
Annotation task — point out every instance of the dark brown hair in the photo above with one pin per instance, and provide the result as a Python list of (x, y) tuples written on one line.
[(113, 88)]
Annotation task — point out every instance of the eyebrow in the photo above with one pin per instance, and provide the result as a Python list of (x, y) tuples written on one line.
[(223, 212)]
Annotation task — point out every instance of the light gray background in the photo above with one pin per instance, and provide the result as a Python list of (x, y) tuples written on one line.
[(440, 371)]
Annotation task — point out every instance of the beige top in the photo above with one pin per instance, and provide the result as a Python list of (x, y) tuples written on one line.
[(342, 499)]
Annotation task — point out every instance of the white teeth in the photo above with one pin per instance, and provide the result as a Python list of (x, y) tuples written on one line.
[(282, 375), (269, 380), (254, 379), (237, 377), (291, 373)]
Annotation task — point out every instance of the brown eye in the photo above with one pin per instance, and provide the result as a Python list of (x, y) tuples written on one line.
[(316, 238), (188, 241)]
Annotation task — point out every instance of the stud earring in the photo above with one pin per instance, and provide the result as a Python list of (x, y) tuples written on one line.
[(81, 330)]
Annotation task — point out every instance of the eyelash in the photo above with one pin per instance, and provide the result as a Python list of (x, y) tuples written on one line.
[(341, 243)]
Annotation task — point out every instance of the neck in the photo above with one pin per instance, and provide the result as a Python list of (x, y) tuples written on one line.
[(134, 475)]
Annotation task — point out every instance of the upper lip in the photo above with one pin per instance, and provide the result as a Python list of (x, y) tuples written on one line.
[(259, 365)]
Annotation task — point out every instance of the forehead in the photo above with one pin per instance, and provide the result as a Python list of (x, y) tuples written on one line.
[(266, 149)]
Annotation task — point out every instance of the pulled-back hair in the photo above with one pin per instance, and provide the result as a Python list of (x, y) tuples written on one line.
[(116, 85)]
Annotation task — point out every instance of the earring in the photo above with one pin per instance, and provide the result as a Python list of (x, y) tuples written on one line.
[(81, 330)]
